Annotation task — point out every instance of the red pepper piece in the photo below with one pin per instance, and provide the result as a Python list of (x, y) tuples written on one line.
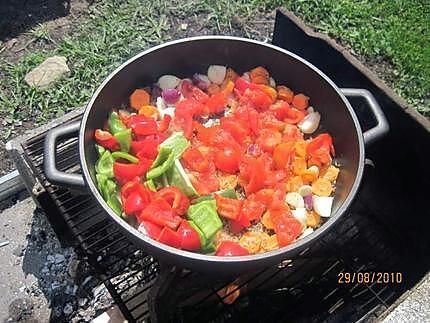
[(253, 208), (106, 140), (142, 125), (190, 239), (230, 248), (159, 212), (217, 102), (287, 228), (164, 124), (177, 200), (152, 229), (126, 172), (199, 95), (170, 238), (145, 148), (135, 197), (228, 208)]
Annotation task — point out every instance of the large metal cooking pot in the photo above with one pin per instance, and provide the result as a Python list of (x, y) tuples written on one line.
[(187, 56)]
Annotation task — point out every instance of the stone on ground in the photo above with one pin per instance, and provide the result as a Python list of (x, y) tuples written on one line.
[(48, 72)]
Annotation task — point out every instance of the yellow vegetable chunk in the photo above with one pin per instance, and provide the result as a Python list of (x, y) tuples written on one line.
[(322, 187)]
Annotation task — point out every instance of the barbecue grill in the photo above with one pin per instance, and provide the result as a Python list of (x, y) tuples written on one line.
[(384, 232)]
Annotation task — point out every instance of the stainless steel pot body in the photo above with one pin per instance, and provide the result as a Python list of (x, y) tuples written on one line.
[(187, 56)]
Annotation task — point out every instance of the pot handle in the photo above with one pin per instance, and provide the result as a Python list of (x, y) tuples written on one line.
[(382, 127), (54, 175)]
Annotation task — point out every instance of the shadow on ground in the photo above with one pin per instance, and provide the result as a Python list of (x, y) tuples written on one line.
[(17, 16)]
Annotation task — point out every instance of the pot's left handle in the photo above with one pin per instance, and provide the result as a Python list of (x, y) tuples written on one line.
[(54, 175)]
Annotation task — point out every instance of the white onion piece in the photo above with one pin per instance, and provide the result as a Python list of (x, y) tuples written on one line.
[(305, 190), (310, 123), (141, 229), (310, 110), (314, 169), (246, 77), (322, 205), (168, 111), (305, 233), (201, 81), (168, 82), (171, 96), (295, 200), (216, 73), (272, 82), (300, 214), (308, 202), (160, 103)]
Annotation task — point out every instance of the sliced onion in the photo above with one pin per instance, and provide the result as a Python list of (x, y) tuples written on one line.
[(322, 205), (305, 233), (272, 82), (160, 103), (169, 111), (308, 202), (216, 73), (246, 77), (295, 200), (168, 82), (252, 149), (305, 190), (300, 214), (310, 123), (171, 96), (201, 81)]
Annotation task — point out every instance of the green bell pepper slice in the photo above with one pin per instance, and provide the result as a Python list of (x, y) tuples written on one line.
[(207, 246), (124, 139), (104, 164), (204, 215), (100, 150), (115, 204), (162, 163), (230, 193), (176, 176), (126, 156), (177, 142), (150, 185), (115, 124)]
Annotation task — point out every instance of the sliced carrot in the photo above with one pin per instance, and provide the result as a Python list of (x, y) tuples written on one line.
[(285, 93), (139, 98), (251, 241), (300, 148), (270, 91), (312, 219), (294, 184), (269, 243), (266, 221), (230, 75), (310, 175), (322, 187), (299, 165), (149, 111), (227, 86), (301, 101), (259, 75), (213, 89), (331, 173)]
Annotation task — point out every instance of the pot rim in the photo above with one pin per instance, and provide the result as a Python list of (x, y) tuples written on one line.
[(298, 245)]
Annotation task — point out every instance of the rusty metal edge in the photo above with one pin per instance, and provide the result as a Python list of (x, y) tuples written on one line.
[(378, 82)]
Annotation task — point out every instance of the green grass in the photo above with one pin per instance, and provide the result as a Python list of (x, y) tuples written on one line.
[(395, 31)]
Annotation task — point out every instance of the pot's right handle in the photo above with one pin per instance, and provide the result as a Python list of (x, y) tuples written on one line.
[(54, 175), (382, 127)]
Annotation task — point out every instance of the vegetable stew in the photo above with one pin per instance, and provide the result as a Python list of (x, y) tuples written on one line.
[(219, 163)]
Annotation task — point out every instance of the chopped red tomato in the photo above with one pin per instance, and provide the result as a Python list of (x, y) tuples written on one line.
[(256, 175), (228, 208), (280, 109), (253, 208), (194, 160), (258, 98), (265, 196), (287, 228), (241, 85), (170, 237), (269, 121), (283, 155), (205, 134), (236, 127), (294, 116), (319, 149), (106, 140), (205, 183), (183, 122), (230, 248), (199, 95), (292, 133), (176, 199), (268, 139), (164, 124), (217, 102), (227, 158), (276, 176)]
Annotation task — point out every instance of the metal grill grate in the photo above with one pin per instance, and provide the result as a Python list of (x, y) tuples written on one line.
[(304, 289)]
